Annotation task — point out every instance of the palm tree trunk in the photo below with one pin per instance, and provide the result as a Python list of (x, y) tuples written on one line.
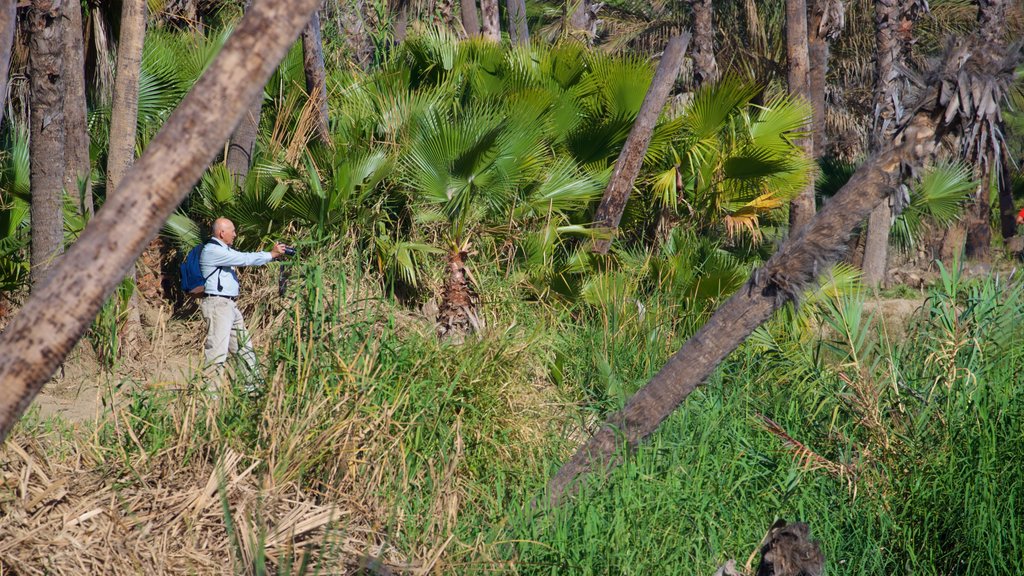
[(470, 18), (517, 29), (783, 278), (888, 103), (42, 334), (582, 22), (401, 21), (827, 21), (609, 213), (489, 25), (356, 37), (705, 67), (242, 145), (124, 115), (8, 23), (316, 75), (76, 154), (457, 311), (46, 72), (802, 209)]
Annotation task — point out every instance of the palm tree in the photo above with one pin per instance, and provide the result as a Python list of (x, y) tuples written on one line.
[(705, 67), (43, 333), (76, 153), (46, 72), (786, 274), (828, 17), (892, 21), (489, 25), (517, 29), (470, 17), (123, 122), (243, 141), (316, 75), (986, 147), (802, 209), (579, 20)]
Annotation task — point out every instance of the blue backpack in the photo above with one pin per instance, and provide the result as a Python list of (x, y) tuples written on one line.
[(192, 280)]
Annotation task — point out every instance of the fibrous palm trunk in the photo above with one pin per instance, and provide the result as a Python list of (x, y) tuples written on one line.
[(517, 29), (889, 56), (580, 17), (828, 17), (457, 313), (46, 78), (630, 160), (470, 18), (802, 209), (242, 145), (124, 115), (705, 67), (316, 75), (987, 150), (8, 23), (489, 22), (76, 151), (42, 334), (401, 20), (353, 22), (786, 275)]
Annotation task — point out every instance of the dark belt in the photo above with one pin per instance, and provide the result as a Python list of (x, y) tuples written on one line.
[(220, 296)]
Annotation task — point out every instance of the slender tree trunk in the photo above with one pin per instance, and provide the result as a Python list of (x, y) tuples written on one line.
[(827, 20), (888, 103), (46, 78), (470, 18), (242, 145), (517, 29), (705, 67), (316, 75), (991, 25), (8, 23), (124, 116), (609, 213), (581, 23), (401, 21), (42, 334), (791, 270), (356, 37), (802, 209), (76, 153), (489, 25)]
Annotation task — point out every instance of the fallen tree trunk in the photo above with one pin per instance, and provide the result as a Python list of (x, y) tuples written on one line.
[(792, 269), (40, 336)]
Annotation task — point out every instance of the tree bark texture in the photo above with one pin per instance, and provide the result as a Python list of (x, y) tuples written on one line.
[(609, 213), (517, 29), (8, 23), (470, 18), (316, 75), (705, 67), (791, 270), (489, 25), (582, 21), (76, 152), (802, 209), (827, 21), (242, 145), (46, 82), (888, 107), (41, 335), (401, 21), (356, 37), (124, 115)]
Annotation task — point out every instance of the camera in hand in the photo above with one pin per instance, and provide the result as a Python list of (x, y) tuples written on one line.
[(289, 251)]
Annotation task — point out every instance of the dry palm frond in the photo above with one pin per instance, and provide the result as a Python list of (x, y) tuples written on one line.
[(808, 459)]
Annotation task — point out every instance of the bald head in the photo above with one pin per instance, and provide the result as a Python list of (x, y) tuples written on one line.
[(224, 230)]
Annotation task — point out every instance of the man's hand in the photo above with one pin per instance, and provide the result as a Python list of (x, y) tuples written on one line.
[(277, 251)]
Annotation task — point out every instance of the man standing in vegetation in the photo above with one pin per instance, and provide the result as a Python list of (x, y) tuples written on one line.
[(227, 331)]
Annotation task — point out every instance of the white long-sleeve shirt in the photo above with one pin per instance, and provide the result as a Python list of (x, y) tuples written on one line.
[(217, 262)]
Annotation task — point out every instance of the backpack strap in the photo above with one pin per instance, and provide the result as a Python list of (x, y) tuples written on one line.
[(216, 269)]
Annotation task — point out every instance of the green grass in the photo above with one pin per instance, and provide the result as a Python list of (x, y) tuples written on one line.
[(916, 448)]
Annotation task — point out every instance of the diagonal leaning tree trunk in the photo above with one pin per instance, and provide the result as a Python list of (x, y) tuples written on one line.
[(59, 312), (627, 167), (793, 268)]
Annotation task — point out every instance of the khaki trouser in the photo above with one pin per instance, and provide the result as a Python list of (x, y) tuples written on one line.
[(226, 334)]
